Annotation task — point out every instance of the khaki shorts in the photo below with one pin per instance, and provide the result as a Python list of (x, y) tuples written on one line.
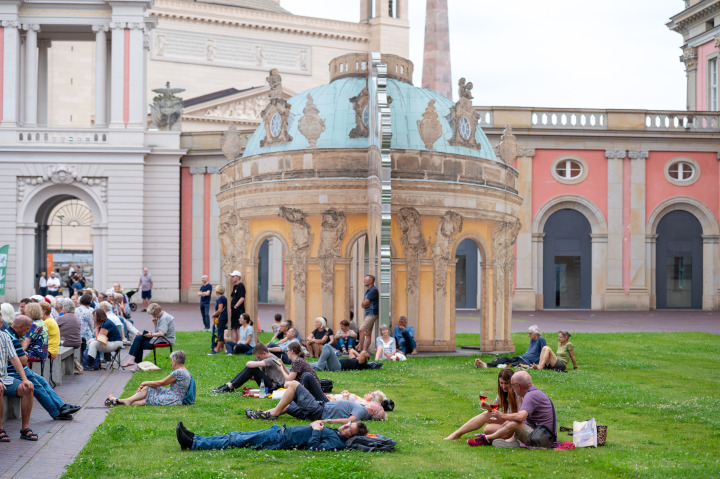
[(537, 437), (368, 323)]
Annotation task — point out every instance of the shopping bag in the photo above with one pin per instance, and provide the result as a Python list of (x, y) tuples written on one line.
[(585, 433)]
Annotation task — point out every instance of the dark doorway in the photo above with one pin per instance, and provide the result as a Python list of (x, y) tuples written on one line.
[(679, 262), (467, 278), (567, 262), (263, 272)]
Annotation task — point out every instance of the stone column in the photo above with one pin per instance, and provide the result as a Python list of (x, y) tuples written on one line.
[(525, 288), (42, 99), (614, 287), (101, 119), (650, 272), (710, 254), (25, 256), (198, 233), (599, 254), (117, 74), (10, 78), (31, 77), (690, 59), (136, 75), (538, 241), (638, 285)]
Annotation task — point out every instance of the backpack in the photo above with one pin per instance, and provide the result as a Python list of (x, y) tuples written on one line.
[(189, 397), (326, 385), (371, 444)]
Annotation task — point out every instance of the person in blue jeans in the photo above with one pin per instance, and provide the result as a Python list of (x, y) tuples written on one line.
[(531, 356), (204, 293), (46, 396), (345, 338), (405, 336), (315, 437)]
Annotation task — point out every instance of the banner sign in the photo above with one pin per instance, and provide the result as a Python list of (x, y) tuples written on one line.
[(3, 267)]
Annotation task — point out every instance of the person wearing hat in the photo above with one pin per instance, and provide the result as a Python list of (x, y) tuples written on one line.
[(237, 304)]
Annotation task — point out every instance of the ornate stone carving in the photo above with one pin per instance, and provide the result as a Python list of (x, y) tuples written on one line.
[(248, 109), (10, 24), (504, 238), (117, 25), (64, 175), (275, 115), (214, 170), (160, 44), (198, 170), (332, 232), (360, 103), (210, 49), (717, 41), (231, 143), (508, 146), (450, 225), (689, 58), (638, 154), (311, 125), (415, 247), (429, 127), (166, 109), (526, 152), (102, 27), (301, 239), (614, 154), (464, 118), (234, 238), (31, 27)]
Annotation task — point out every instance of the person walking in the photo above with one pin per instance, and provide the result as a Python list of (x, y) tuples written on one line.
[(145, 285)]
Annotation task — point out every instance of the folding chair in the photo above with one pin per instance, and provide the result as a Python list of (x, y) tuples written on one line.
[(165, 344)]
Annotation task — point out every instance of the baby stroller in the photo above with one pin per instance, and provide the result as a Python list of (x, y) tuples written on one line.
[(129, 294)]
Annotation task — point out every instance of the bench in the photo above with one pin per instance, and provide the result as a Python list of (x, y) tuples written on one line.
[(11, 408)]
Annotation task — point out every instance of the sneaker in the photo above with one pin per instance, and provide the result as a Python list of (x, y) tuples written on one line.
[(222, 389), (480, 440), (212, 353), (184, 437), (69, 409), (506, 444)]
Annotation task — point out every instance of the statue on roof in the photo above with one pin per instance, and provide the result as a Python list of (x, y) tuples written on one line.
[(464, 89), (166, 109), (275, 82)]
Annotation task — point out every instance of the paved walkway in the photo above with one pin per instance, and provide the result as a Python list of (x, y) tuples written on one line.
[(59, 442)]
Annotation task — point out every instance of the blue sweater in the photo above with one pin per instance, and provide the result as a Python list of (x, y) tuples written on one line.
[(532, 355)]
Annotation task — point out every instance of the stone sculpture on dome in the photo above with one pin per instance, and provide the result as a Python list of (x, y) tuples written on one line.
[(166, 109)]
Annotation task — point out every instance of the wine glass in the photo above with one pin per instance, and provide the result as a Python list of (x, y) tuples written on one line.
[(494, 407)]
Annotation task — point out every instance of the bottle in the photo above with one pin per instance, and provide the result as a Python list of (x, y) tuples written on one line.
[(263, 390)]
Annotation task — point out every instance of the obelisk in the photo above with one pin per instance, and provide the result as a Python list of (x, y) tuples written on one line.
[(436, 57)]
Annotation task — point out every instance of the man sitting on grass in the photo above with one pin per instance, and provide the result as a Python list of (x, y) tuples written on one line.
[(535, 424), (315, 437), (267, 368), (531, 356), (300, 403)]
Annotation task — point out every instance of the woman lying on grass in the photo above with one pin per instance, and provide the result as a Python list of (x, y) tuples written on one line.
[(506, 399), (153, 392)]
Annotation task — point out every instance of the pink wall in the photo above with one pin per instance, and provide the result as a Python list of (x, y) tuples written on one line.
[(593, 187), (705, 190), (2, 73), (703, 51), (186, 197)]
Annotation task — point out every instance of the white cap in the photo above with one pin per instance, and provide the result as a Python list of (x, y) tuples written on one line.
[(236, 273)]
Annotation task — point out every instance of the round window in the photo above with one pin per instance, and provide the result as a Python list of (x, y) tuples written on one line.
[(681, 171), (464, 128), (569, 169), (366, 117), (275, 125)]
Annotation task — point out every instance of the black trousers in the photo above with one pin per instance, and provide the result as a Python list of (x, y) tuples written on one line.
[(514, 361), (253, 373)]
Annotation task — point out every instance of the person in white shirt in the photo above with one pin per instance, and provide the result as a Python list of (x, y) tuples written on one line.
[(42, 283), (53, 284)]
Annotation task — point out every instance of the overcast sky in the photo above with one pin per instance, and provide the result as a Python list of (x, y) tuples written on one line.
[(550, 53)]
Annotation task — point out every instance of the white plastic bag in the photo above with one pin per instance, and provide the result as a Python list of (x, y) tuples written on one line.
[(585, 433), (278, 393)]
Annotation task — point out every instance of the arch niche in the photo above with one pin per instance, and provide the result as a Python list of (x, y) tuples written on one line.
[(710, 236), (489, 323), (598, 247), (32, 215), (252, 273)]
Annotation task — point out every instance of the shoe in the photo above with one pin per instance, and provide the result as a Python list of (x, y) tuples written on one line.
[(144, 310), (212, 353), (480, 440), (184, 437), (206, 330), (63, 416), (69, 409), (506, 444), (222, 389)]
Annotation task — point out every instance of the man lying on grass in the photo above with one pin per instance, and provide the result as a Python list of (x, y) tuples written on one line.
[(315, 437), (300, 403)]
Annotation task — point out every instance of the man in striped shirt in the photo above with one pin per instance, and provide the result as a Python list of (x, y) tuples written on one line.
[(15, 388)]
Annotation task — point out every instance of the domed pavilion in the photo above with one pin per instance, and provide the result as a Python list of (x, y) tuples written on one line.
[(372, 175)]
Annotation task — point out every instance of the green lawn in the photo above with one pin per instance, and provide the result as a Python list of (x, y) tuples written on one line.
[(659, 394)]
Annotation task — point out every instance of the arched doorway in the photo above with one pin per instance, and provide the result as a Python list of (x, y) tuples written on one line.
[(679, 260), (567, 261), (359, 267), (69, 240), (271, 281), (468, 276)]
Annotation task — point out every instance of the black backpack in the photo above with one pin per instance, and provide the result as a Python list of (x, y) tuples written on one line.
[(326, 385), (371, 444)]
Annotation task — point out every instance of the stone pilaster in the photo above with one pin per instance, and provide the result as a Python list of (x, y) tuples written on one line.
[(638, 283), (31, 78), (42, 96), (615, 160), (436, 56), (101, 69), (690, 59), (711, 293), (526, 287), (117, 74), (10, 72), (136, 102)]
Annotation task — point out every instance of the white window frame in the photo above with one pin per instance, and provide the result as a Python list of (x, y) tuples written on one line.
[(570, 181), (712, 69), (682, 159)]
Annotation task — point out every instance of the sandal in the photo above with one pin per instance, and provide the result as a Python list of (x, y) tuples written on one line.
[(28, 435), (111, 401), (3, 436), (265, 415), (251, 414)]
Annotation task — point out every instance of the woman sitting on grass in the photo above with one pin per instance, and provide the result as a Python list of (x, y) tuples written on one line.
[(506, 399), (386, 346), (247, 338), (559, 361), (154, 393), (320, 336)]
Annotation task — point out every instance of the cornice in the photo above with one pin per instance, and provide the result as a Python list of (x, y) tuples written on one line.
[(699, 11), (260, 20)]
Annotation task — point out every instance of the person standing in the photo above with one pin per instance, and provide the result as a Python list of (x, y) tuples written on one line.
[(371, 304), (205, 293), (43, 284), (53, 284), (237, 304), (145, 285)]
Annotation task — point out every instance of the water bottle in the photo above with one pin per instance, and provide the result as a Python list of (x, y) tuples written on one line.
[(263, 390)]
